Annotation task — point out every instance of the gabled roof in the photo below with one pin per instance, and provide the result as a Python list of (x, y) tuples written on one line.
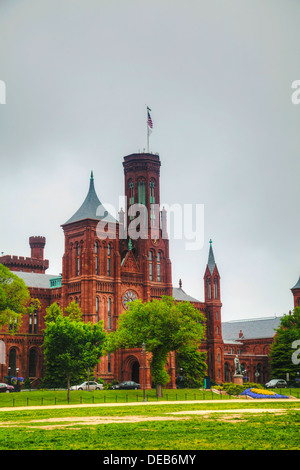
[(37, 280), (179, 294), (251, 329), (91, 208)]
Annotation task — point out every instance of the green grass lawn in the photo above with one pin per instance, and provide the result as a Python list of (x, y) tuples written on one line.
[(53, 397), (148, 427)]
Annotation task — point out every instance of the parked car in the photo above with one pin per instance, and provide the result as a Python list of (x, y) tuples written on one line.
[(88, 386), (127, 385), (6, 388), (276, 383)]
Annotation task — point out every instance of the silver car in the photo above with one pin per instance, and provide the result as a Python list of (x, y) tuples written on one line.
[(276, 383), (87, 386)]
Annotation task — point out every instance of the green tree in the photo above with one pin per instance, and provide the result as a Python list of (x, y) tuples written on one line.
[(73, 311), (191, 364), (283, 351), (14, 299), (70, 347), (164, 326), (52, 313)]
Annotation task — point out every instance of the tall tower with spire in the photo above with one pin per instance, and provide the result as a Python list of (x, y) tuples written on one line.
[(90, 260), (215, 345)]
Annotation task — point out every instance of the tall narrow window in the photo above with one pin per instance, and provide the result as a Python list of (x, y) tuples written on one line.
[(108, 363), (109, 314), (32, 362), (131, 196), (152, 202), (35, 321), (208, 288), (97, 309), (12, 362), (215, 288), (30, 323), (158, 267), (96, 258), (77, 260), (142, 193), (109, 260), (150, 266)]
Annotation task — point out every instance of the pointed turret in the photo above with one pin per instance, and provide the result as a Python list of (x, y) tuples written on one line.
[(296, 293), (91, 208), (211, 278), (211, 259)]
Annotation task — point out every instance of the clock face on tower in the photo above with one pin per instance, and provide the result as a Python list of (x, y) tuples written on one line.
[(129, 296)]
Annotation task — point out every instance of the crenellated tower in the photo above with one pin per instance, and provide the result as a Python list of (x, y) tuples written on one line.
[(146, 224)]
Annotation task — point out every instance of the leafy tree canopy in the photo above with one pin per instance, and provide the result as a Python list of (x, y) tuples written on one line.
[(164, 326), (15, 299), (71, 347), (284, 351)]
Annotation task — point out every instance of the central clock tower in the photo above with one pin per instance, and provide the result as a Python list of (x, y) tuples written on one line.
[(145, 225)]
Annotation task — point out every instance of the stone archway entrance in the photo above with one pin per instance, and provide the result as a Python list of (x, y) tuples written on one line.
[(131, 368), (135, 372)]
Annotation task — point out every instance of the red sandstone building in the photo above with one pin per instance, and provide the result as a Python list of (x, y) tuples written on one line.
[(104, 267)]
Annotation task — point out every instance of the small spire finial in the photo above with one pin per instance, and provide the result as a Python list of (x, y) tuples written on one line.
[(92, 175), (180, 284), (210, 241), (130, 244)]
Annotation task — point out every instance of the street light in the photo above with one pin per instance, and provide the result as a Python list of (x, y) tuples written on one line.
[(144, 382)]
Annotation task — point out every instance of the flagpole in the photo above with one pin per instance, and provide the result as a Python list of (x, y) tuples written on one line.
[(147, 130)]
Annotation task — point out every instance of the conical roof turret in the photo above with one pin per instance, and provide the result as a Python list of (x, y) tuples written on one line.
[(91, 208)]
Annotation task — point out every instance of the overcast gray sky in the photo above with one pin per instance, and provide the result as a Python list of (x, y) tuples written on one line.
[(217, 76)]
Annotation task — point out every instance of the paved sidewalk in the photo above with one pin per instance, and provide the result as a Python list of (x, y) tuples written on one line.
[(149, 403)]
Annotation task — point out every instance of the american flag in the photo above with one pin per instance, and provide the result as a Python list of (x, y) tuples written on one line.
[(149, 120)]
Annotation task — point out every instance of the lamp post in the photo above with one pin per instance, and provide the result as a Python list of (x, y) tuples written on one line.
[(17, 373), (144, 381)]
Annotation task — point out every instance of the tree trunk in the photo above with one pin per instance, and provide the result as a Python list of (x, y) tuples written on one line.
[(159, 390)]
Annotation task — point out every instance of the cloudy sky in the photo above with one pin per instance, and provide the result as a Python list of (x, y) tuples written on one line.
[(217, 76)]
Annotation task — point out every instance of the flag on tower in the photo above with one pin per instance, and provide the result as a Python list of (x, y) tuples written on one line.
[(149, 120)]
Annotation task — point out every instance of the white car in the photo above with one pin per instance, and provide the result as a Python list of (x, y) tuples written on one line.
[(88, 386)]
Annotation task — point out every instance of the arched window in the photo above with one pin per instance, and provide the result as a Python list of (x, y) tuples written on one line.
[(96, 258), (97, 309), (32, 363), (142, 192), (131, 196), (108, 362), (215, 288), (109, 260), (12, 362), (30, 323), (77, 259), (208, 288), (152, 202), (158, 270), (109, 313), (35, 321), (150, 266)]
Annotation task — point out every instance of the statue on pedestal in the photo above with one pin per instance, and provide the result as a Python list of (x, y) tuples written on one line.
[(238, 370)]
